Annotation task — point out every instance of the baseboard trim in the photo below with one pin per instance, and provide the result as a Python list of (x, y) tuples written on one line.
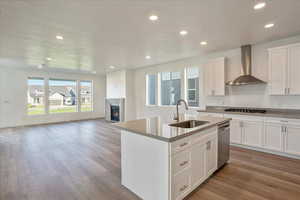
[(48, 123), (266, 151)]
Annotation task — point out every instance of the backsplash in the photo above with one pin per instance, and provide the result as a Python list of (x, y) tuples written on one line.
[(253, 96)]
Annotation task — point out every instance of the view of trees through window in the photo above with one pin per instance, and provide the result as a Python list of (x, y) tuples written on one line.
[(62, 96), (170, 88), (86, 97), (35, 96)]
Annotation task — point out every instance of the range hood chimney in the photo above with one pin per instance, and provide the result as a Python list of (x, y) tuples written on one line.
[(246, 78)]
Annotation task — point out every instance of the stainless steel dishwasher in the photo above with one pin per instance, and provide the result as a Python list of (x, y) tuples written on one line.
[(223, 143)]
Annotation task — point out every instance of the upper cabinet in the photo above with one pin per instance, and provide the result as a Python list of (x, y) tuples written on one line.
[(215, 77), (284, 70)]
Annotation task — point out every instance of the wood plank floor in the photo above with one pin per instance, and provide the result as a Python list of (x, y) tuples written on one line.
[(81, 160)]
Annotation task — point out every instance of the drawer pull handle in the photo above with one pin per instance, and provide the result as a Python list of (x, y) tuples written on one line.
[(183, 188), (183, 144), (184, 163)]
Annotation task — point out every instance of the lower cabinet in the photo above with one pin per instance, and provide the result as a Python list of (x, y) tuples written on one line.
[(292, 139), (275, 134), (273, 137), (247, 131), (252, 133), (198, 154), (193, 165), (235, 131)]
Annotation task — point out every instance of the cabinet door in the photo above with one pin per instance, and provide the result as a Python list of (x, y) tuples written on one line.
[(252, 133), (292, 138), (273, 137), (277, 71), (198, 164), (235, 131), (219, 77), (211, 156), (209, 79), (294, 70)]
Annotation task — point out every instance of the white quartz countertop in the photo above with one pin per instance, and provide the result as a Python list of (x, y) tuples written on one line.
[(158, 127)]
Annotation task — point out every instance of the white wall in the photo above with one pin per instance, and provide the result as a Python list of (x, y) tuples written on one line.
[(120, 84), (13, 98), (250, 96), (116, 84)]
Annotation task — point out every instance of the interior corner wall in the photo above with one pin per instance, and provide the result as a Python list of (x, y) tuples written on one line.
[(13, 98)]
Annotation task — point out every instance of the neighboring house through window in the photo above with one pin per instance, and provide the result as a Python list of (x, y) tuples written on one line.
[(86, 96), (62, 96), (35, 96)]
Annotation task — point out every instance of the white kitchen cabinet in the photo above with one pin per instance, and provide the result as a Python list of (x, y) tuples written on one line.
[(273, 136), (193, 165), (215, 77), (278, 71), (211, 156), (235, 131), (292, 139), (284, 70), (294, 70), (252, 133), (246, 130), (198, 153)]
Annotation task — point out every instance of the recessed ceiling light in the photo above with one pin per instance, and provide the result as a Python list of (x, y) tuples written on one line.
[(59, 37), (183, 32), (48, 58), (112, 67), (259, 5), (148, 57), (94, 72), (153, 17), (269, 25), (203, 43)]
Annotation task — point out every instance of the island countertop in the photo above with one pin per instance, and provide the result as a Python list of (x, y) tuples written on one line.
[(158, 127)]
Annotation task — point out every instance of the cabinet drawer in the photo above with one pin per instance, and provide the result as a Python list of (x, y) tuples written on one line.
[(181, 161), (180, 145), (181, 184)]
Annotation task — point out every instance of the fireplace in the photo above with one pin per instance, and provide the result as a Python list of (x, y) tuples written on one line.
[(114, 110), (115, 113)]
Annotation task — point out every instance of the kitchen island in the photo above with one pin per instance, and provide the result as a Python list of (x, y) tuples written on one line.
[(166, 160)]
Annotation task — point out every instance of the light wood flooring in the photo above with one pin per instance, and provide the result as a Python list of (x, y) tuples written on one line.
[(81, 161)]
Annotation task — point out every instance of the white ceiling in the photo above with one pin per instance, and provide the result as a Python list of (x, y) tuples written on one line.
[(100, 33)]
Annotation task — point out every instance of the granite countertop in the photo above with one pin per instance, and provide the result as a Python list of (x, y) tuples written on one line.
[(278, 113), (158, 127)]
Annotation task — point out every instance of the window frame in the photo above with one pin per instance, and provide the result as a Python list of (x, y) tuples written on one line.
[(181, 78), (76, 98), (186, 88), (44, 96), (156, 89), (92, 96)]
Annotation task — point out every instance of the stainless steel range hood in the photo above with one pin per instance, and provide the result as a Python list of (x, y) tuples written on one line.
[(246, 78)]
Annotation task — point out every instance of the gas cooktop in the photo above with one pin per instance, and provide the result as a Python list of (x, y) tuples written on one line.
[(245, 110)]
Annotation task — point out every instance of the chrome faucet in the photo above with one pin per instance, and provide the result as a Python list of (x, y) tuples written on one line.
[(177, 112)]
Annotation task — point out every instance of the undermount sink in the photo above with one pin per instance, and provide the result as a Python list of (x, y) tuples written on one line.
[(189, 124)]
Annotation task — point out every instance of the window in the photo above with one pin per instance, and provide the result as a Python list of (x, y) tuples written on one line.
[(35, 96), (62, 96), (86, 96), (170, 88), (151, 89), (192, 77)]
